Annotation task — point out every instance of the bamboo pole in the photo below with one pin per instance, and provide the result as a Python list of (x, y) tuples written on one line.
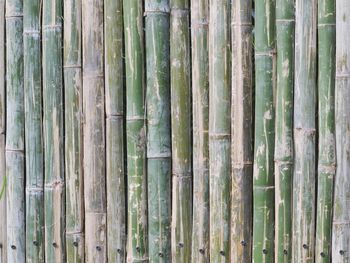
[(3, 236), (53, 131), (200, 109), (73, 131), (219, 130), (304, 132), (94, 132), (180, 72), (34, 152), (158, 133), (285, 25), (263, 182), (341, 212), (15, 135), (242, 132), (114, 89), (137, 244), (326, 129)]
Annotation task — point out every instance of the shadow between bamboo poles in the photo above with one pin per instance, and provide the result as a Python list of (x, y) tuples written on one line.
[(200, 109), (73, 123), (137, 240), (15, 135), (34, 152), (341, 212), (3, 236)]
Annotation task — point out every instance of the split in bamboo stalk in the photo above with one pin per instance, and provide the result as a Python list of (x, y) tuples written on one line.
[(285, 24), (54, 190), (200, 109), (263, 182), (180, 71), (34, 151), (114, 90), (94, 132), (3, 236), (341, 212), (15, 133), (326, 129), (242, 132), (304, 132), (219, 130), (158, 133), (73, 131), (137, 241)]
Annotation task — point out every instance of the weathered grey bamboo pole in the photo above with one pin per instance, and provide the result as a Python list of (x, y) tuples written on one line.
[(219, 130), (263, 193), (3, 236), (94, 132), (137, 244), (73, 131), (15, 132), (242, 131), (114, 89), (341, 212), (285, 25), (326, 129), (200, 109), (304, 132), (180, 72), (53, 131), (34, 152), (158, 133)]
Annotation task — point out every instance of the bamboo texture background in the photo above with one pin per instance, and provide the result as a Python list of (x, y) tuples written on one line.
[(175, 131)]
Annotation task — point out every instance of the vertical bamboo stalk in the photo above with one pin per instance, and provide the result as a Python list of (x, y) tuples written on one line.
[(285, 25), (242, 132), (158, 133), (114, 89), (263, 182), (200, 109), (137, 247), (94, 132), (15, 135), (34, 152), (3, 235), (341, 217), (219, 130), (73, 131), (326, 129), (304, 132), (53, 131), (180, 72)]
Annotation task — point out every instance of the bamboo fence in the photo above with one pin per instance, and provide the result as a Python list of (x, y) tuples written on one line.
[(174, 131)]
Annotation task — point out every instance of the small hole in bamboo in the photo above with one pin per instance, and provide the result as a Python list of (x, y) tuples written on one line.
[(305, 246), (35, 243), (322, 254), (98, 248), (181, 245), (264, 251), (243, 243), (54, 244), (119, 251), (285, 252), (222, 253), (13, 246), (342, 252), (201, 250), (75, 243), (138, 249), (160, 254)]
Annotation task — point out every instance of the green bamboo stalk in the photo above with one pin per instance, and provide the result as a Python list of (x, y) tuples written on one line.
[(114, 88), (180, 72), (263, 182), (34, 152), (200, 109), (304, 132), (285, 25), (137, 244), (53, 131), (341, 212), (158, 133), (73, 131), (14, 152), (3, 236), (326, 129), (242, 131), (94, 132), (219, 130)]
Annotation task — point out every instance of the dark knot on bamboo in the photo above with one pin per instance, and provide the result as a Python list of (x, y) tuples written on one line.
[(201, 250), (98, 248), (75, 243), (119, 251), (285, 251), (35, 243), (264, 251), (160, 254), (341, 252), (54, 244), (222, 253), (13, 246), (181, 245), (138, 249), (322, 254), (243, 243), (305, 246)]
